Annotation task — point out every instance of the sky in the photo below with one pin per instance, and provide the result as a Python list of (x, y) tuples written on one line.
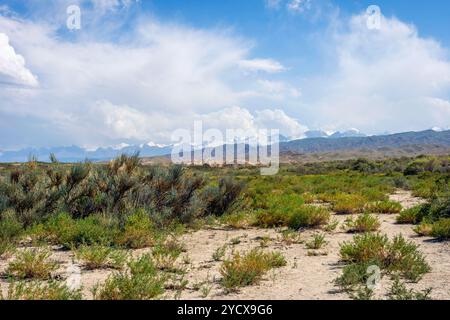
[(136, 71)]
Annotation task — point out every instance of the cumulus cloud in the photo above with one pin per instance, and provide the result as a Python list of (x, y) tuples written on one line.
[(97, 92), (384, 79), (12, 65)]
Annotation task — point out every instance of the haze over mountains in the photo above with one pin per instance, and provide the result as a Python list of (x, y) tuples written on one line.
[(316, 142)]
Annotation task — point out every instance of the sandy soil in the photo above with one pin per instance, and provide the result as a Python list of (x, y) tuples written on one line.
[(304, 277)]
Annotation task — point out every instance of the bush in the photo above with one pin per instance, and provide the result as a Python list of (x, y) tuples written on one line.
[(410, 216), (141, 281), (317, 242), (97, 256), (165, 255), (220, 200), (441, 229), (398, 291), (68, 232), (397, 255), (32, 264), (138, 231), (10, 230), (269, 218), (34, 290), (348, 204), (365, 222), (244, 270), (384, 207), (308, 216)]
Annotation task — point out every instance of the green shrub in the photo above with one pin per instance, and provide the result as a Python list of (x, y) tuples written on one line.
[(365, 222), (317, 242), (348, 203), (141, 281), (32, 264), (165, 255), (68, 232), (410, 216), (441, 229), (138, 232), (308, 216), (270, 218), (384, 207), (398, 291), (34, 290), (221, 199), (354, 275), (397, 255), (10, 230), (97, 257), (247, 269)]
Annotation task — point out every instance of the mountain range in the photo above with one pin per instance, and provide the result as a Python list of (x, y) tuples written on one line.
[(316, 142)]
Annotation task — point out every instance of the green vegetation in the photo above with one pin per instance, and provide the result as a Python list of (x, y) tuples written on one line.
[(141, 281), (53, 290), (32, 264), (102, 211), (247, 269), (97, 257), (317, 242), (365, 222)]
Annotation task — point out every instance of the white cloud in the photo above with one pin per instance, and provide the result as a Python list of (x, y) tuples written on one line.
[(142, 89), (279, 89), (298, 6), (383, 80), (266, 65), (12, 65)]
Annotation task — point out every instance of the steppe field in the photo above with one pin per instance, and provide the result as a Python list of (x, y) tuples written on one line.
[(354, 229)]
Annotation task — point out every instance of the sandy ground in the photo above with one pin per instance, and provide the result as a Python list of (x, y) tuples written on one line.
[(304, 277)]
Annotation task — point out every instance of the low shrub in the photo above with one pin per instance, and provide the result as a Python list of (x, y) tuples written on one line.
[(63, 230), (317, 242), (397, 255), (308, 216), (384, 207), (97, 257), (365, 222), (398, 291), (138, 231), (441, 229), (424, 229), (410, 216), (141, 281), (32, 264), (348, 203), (165, 255), (247, 269), (53, 290)]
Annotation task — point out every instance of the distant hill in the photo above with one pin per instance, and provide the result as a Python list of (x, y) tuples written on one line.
[(319, 146), (393, 141)]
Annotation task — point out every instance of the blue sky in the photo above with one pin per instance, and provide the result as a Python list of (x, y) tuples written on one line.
[(138, 70)]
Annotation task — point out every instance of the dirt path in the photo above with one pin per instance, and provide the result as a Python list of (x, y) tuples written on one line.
[(304, 277)]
